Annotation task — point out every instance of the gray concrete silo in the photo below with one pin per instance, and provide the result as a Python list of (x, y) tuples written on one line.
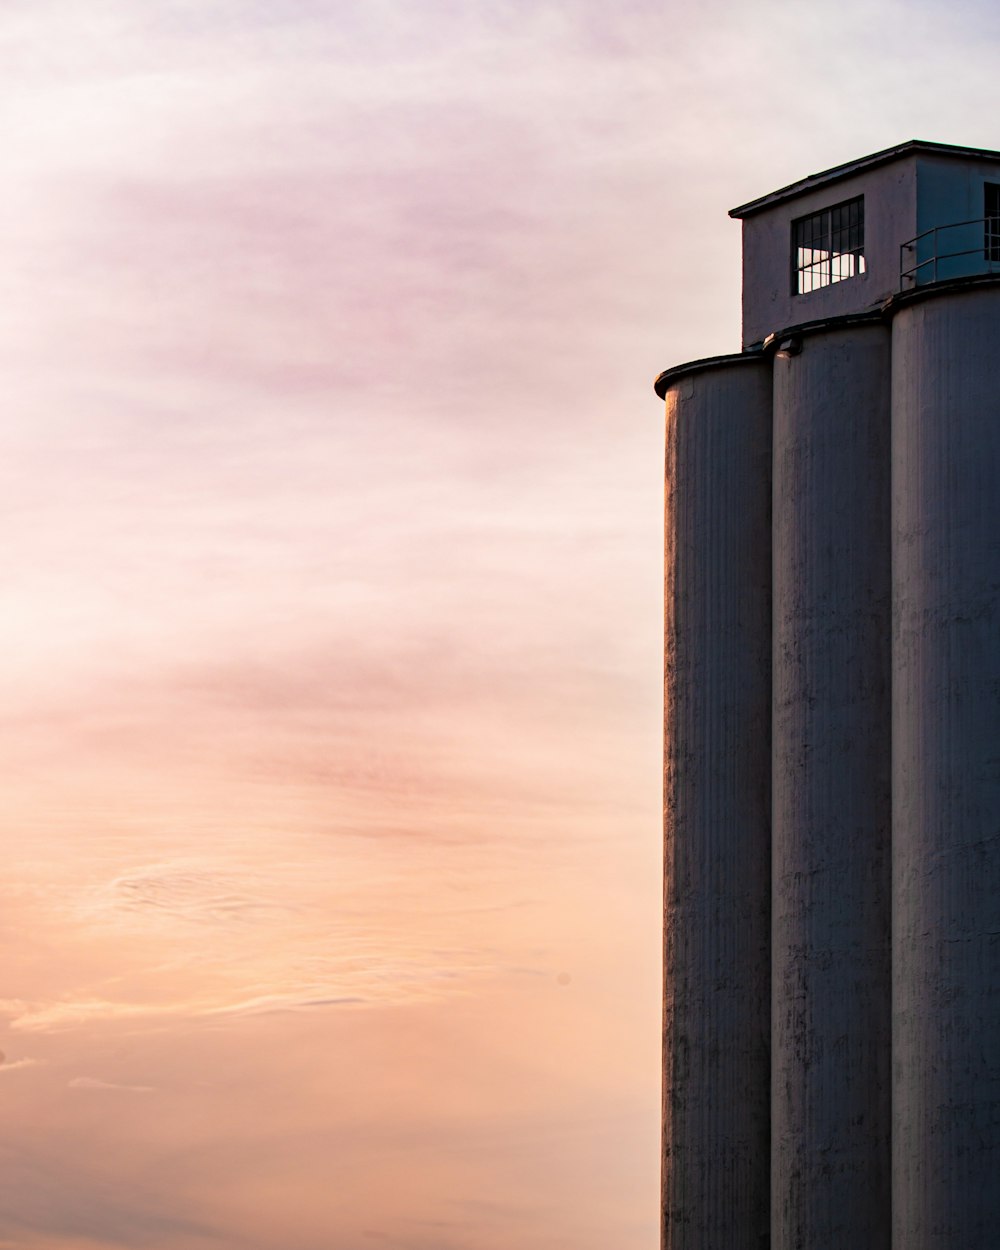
[(716, 802), (831, 789), (946, 766), (832, 1081)]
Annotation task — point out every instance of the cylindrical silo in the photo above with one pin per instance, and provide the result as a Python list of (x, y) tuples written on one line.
[(716, 805), (946, 769), (830, 1159)]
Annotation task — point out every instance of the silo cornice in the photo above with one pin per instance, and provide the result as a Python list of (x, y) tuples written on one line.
[(949, 286), (847, 321), (673, 374)]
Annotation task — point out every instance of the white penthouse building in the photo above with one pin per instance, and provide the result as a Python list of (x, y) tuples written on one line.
[(832, 726)]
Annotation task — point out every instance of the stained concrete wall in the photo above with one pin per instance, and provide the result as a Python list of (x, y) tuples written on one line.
[(831, 794), (946, 772), (716, 807)]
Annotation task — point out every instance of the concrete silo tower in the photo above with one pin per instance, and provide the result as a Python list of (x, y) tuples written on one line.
[(832, 726)]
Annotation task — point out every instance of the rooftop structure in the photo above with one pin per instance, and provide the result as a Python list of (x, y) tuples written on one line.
[(847, 239)]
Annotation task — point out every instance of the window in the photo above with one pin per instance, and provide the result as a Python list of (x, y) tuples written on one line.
[(991, 223), (829, 246)]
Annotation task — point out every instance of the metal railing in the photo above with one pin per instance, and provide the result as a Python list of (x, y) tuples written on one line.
[(979, 252)]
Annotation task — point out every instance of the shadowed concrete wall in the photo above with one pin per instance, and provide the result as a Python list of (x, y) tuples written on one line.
[(946, 772), (831, 794), (716, 802)]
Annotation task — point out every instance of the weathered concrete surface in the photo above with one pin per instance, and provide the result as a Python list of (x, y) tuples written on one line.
[(716, 805), (831, 795), (946, 772)]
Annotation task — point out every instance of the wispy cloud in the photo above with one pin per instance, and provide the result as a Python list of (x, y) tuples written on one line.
[(96, 1084), (268, 1003), (27, 1017), (16, 1065), (60, 1016)]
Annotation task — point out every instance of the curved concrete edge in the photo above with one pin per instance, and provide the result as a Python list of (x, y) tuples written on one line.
[(905, 299), (803, 329), (676, 372)]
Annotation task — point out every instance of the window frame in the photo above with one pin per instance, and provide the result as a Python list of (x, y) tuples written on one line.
[(852, 232), (991, 222)]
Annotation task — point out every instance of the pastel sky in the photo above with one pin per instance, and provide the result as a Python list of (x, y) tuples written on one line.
[(330, 634)]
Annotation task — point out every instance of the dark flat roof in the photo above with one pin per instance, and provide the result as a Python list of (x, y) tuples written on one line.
[(887, 155)]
